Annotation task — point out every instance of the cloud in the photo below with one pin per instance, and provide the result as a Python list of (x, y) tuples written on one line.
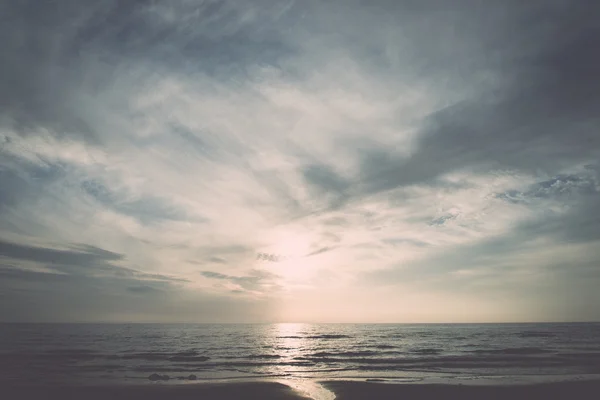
[(84, 260), (142, 289), (452, 143), (87, 254), (539, 118), (320, 251), (442, 220), (257, 281), (327, 183), (215, 275), (556, 188), (146, 210)]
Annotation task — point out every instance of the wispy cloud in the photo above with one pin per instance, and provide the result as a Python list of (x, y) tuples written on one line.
[(389, 153)]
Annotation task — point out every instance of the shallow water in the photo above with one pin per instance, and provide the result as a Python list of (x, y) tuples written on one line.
[(58, 353)]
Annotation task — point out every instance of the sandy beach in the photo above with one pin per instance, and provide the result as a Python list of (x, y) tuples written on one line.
[(229, 391), (344, 390), (381, 391)]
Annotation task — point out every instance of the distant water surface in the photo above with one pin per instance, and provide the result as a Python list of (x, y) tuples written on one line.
[(59, 353)]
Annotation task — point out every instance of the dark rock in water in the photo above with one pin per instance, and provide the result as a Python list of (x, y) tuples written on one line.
[(375, 380), (192, 377), (157, 377)]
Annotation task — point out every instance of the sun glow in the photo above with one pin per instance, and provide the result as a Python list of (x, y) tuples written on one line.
[(291, 245), (289, 256)]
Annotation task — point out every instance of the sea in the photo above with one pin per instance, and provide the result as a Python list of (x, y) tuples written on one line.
[(184, 353)]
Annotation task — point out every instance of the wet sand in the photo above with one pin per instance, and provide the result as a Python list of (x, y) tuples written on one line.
[(549, 391), (228, 391), (343, 391)]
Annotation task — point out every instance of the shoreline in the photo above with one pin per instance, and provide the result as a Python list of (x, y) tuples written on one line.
[(353, 390), (259, 390), (305, 389)]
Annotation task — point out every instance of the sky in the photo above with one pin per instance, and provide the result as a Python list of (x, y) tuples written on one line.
[(299, 161)]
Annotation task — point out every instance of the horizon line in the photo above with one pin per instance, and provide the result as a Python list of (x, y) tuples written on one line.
[(288, 323)]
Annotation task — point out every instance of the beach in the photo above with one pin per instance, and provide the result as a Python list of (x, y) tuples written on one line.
[(227, 391), (318, 361), (547, 391), (341, 390)]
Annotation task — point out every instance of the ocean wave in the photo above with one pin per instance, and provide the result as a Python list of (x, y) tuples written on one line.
[(263, 356), (580, 355), (189, 359), (241, 363), (211, 351), (345, 354), (513, 350), (315, 337), (391, 336), (536, 334), (427, 351), (384, 346)]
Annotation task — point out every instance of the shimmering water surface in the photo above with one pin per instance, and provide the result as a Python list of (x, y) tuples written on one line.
[(111, 353)]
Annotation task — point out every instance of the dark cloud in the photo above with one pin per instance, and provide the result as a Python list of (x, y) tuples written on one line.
[(37, 65), (326, 180), (22, 181), (146, 209), (58, 53), (579, 197), (565, 185), (561, 187), (34, 296), (579, 223), (79, 260), (142, 289), (77, 283), (195, 142), (50, 296), (215, 275), (321, 251), (84, 256), (442, 220), (541, 118), (11, 272)]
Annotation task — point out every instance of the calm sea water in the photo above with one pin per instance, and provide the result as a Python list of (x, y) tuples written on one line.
[(47, 353)]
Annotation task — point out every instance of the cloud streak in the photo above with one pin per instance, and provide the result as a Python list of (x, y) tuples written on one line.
[(390, 153)]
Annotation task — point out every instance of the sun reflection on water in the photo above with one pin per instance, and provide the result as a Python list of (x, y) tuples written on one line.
[(290, 342)]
